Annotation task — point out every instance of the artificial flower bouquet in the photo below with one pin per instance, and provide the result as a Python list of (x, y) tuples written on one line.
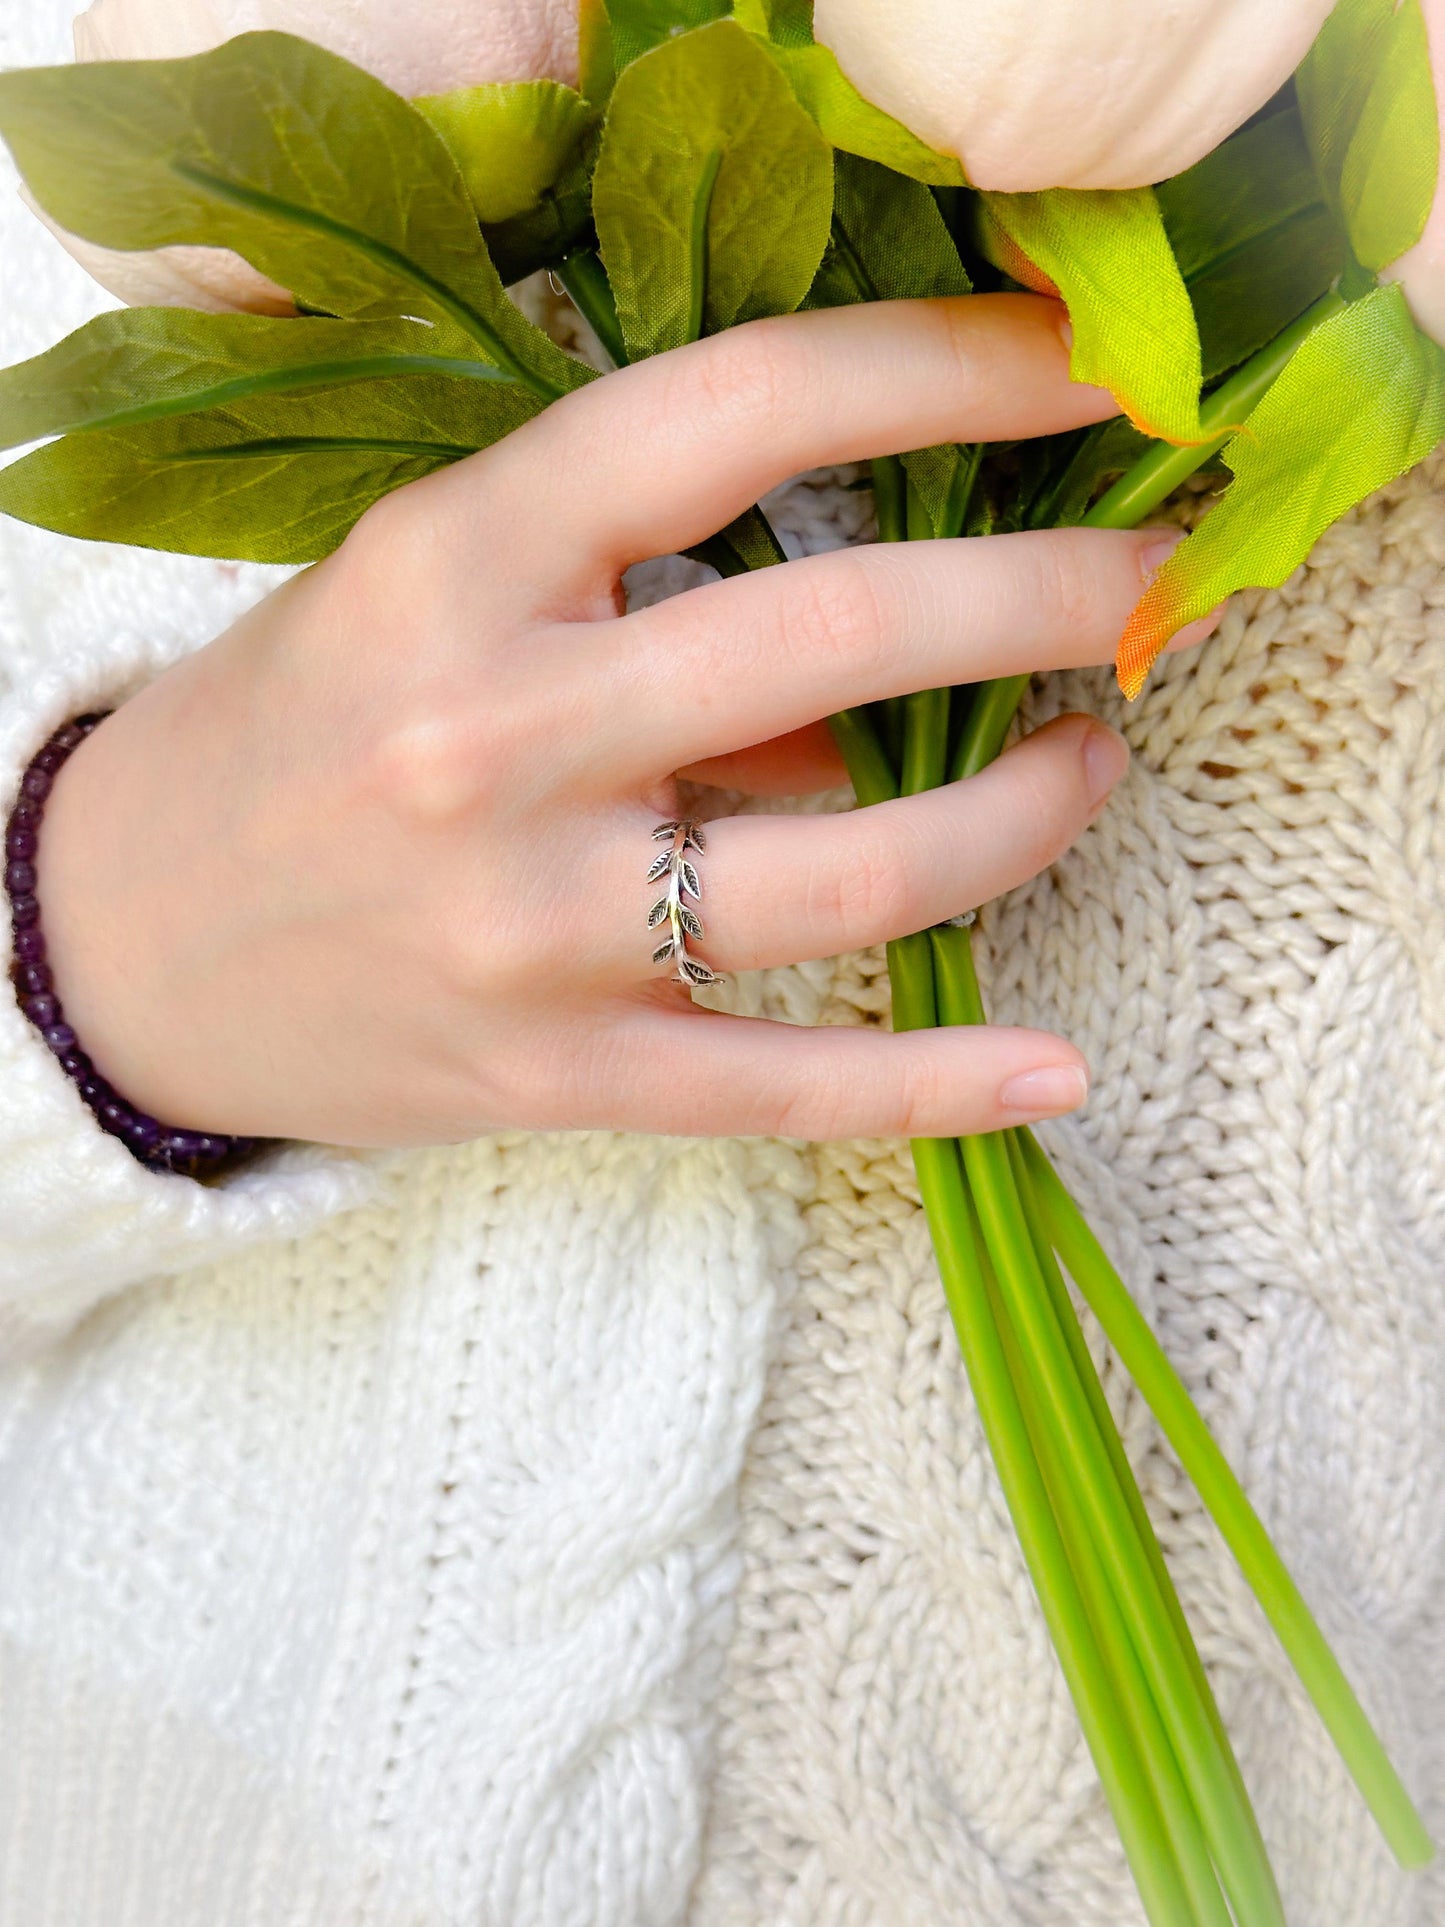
[(1236, 204)]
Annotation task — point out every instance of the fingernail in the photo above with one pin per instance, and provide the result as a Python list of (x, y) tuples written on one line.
[(1153, 555), (1066, 331), (1045, 1093), (1106, 757), (1200, 629)]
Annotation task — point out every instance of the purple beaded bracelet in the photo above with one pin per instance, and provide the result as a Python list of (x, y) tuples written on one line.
[(158, 1147)]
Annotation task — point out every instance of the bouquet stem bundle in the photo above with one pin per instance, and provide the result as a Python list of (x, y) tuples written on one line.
[(1005, 1232)]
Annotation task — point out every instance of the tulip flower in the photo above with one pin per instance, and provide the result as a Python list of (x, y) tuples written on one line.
[(1029, 94), (1421, 271), (419, 49)]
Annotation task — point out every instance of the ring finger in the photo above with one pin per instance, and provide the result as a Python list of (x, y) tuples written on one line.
[(782, 889)]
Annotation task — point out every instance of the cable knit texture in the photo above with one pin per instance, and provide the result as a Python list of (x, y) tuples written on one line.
[(596, 1531)]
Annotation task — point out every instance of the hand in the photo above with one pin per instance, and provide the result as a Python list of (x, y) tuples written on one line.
[(369, 868)]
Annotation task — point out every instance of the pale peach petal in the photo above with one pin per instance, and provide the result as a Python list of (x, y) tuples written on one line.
[(213, 279), (426, 48), (1070, 93)]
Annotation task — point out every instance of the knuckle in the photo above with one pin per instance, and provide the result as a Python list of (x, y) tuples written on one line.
[(744, 380), (1048, 805), (837, 608), (435, 764), (865, 891), (1067, 580)]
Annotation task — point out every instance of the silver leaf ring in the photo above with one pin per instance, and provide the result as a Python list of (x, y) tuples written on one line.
[(673, 907)]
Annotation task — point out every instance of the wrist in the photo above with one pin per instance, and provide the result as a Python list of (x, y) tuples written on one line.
[(59, 961)]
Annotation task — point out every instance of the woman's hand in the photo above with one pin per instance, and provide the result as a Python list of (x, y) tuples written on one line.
[(369, 868)]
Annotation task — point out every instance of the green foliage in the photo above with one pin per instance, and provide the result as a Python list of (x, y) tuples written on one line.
[(888, 242), (854, 124), (1254, 237), (275, 477), (789, 23), (713, 190), (1102, 454), (1360, 402), (1107, 254), (639, 25), (1369, 111), (320, 176), (512, 141), (139, 364), (525, 150)]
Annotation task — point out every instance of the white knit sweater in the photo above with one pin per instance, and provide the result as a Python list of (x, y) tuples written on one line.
[(595, 1531)]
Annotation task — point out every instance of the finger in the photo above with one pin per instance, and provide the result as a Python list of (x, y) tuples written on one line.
[(733, 662), (799, 764), (673, 448), (696, 1073), (780, 889)]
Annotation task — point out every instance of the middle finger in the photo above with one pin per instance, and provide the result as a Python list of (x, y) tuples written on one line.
[(737, 662)]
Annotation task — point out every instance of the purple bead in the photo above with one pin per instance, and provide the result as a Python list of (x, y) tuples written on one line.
[(19, 877), (184, 1144), (60, 1038), (29, 946), (42, 1009), (75, 1064), (67, 738), (24, 911), (32, 979), (114, 1114), (26, 813), (93, 1088), (22, 842), (49, 759), (36, 783), (141, 1130), (214, 1146)]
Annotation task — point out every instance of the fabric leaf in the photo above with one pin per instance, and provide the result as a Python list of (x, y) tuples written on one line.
[(1254, 237), (889, 242), (271, 478), (1105, 253), (512, 141), (640, 25), (1361, 401), (713, 190), (1368, 105), (315, 172), (138, 364), (854, 124)]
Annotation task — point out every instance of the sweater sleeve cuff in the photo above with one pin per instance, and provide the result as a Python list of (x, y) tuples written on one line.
[(79, 1216)]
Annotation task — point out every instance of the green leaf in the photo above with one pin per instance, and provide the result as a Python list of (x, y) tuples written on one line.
[(525, 149), (1368, 105), (512, 141), (713, 190), (889, 242), (1359, 403), (1105, 452), (855, 124), (273, 478), (1106, 254), (640, 25), (596, 62), (787, 23), (1254, 237), (314, 171), (139, 364)]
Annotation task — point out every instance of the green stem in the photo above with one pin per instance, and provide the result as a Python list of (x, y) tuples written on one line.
[(1127, 1785), (583, 276), (1228, 1504)]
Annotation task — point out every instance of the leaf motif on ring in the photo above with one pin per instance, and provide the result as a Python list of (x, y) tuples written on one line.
[(662, 952), (698, 972), (689, 879), (665, 831), (695, 839), (660, 865), (656, 914), (690, 920)]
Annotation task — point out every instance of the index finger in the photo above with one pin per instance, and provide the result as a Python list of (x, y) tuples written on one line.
[(663, 454)]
